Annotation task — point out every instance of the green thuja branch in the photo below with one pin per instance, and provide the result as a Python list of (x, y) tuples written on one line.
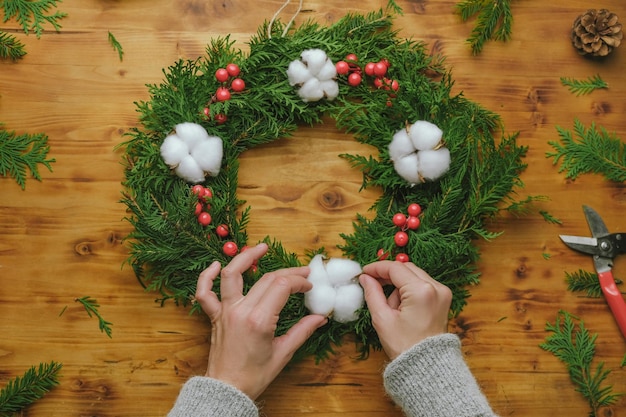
[(117, 46), (575, 347), (581, 87), (11, 47), (91, 306), (32, 386), (32, 14), (589, 151), (22, 153), (494, 21), (584, 281)]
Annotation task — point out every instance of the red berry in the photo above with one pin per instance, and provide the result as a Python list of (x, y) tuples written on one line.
[(222, 230), (207, 112), (206, 194), (204, 218), (222, 94), (382, 254), (238, 85), (380, 69), (198, 209), (197, 190), (254, 269), (386, 62), (351, 57), (414, 209), (221, 75), (233, 70), (413, 222), (395, 86), (221, 118), (401, 239), (230, 248), (399, 219), (369, 68), (378, 82), (354, 79), (342, 67), (402, 257)]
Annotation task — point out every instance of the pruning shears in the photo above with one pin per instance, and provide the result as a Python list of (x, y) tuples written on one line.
[(604, 247)]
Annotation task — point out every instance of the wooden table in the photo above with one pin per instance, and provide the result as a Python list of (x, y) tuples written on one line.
[(62, 238)]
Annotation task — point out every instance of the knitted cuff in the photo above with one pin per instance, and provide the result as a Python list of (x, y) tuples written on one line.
[(432, 379), (205, 397)]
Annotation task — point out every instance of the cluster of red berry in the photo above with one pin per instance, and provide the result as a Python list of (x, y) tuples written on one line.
[(404, 222), (377, 70), (202, 212), (223, 93)]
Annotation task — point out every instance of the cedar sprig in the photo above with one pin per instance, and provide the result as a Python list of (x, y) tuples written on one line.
[(589, 150), (586, 282), (91, 306), (168, 248), (33, 14), (21, 154), (30, 387), (11, 47), (117, 46), (494, 21), (575, 347), (581, 87)]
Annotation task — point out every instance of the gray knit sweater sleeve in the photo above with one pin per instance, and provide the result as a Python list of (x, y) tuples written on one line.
[(207, 397), (432, 379)]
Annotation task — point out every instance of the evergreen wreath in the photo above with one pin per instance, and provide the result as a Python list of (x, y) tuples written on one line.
[(170, 244)]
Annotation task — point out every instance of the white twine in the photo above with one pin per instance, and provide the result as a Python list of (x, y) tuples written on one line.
[(271, 24)]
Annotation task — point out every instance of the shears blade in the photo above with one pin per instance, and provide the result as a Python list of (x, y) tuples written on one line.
[(596, 224), (588, 245)]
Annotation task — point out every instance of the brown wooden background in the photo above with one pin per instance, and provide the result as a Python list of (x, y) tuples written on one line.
[(62, 238)]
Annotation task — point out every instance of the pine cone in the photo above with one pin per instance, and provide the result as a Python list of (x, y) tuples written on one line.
[(596, 33)]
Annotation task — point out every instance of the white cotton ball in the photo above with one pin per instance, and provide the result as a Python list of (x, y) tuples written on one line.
[(191, 133), (407, 167), (425, 135), (317, 272), (433, 163), (348, 301), (189, 170), (330, 89), (327, 72), (400, 145), (298, 73), (314, 60), (173, 150), (208, 154), (320, 299), (341, 271), (311, 90)]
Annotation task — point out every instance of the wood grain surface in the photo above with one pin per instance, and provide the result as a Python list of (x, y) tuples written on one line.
[(62, 238)]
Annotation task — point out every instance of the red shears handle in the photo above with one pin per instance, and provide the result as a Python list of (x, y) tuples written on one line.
[(614, 299)]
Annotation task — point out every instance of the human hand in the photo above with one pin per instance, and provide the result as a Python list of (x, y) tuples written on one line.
[(416, 309), (244, 352)]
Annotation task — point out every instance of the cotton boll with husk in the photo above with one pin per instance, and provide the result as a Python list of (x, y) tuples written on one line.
[(408, 168), (189, 170), (425, 135), (401, 145), (348, 301), (320, 299), (342, 271), (314, 60), (298, 73), (330, 295), (208, 154), (173, 150), (191, 133), (433, 163)]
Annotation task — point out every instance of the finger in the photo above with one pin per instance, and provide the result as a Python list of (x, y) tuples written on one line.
[(393, 301), (259, 289), (232, 278), (278, 291), (374, 295), (397, 273), (204, 290), (287, 344)]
